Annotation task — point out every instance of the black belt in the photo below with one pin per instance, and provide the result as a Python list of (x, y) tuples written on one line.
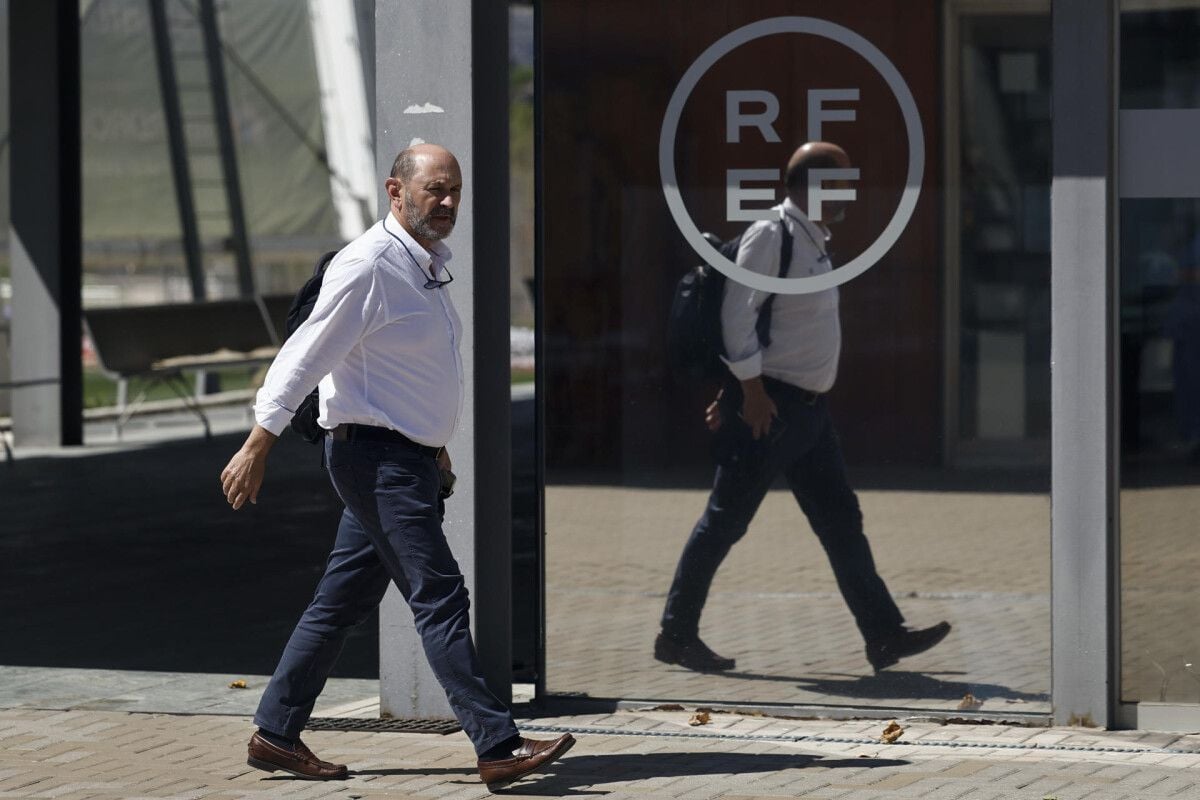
[(792, 392), (370, 433)]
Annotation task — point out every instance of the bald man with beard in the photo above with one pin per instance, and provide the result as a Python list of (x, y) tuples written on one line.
[(772, 418), (382, 342)]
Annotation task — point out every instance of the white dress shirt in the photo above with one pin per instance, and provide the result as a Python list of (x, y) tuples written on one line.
[(383, 348), (806, 334)]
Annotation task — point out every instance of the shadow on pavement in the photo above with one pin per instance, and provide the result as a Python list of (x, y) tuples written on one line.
[(133, 560), (893, 684), (900, 684), (566, 777)]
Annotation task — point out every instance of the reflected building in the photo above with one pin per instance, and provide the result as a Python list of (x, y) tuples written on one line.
[(942, 397), (945, 393)]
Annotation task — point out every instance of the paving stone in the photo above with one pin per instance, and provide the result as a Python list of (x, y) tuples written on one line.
[(154, 756)]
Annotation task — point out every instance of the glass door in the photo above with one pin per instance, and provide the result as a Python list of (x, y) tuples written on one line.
[(690, 565), (1159, 251)]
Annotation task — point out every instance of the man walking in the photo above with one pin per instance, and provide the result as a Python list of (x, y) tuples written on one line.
[(772, 418), (383, 343)]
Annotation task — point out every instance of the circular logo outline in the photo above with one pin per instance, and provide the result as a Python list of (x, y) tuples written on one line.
[(912, 123)]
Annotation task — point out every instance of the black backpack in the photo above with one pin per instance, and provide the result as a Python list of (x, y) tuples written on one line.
[(305, 420), (695, 342)]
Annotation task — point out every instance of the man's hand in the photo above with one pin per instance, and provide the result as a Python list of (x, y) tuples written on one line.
[(712, 414), (446, 478), (758, 409), (243, 475)]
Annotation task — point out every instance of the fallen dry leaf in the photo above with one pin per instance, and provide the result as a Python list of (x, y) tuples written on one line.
[(891, 733), (700, 718), (969, 702), (238, 684)]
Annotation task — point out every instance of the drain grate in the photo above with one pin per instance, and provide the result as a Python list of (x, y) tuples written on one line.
[(391, 725)]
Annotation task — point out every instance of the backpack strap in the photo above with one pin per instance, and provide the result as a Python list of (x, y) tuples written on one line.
[(763, 324)]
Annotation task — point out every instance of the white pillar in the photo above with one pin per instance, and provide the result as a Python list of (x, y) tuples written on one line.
[(1084, 563), (442, 76)]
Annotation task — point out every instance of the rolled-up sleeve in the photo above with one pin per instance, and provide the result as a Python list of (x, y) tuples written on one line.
[(759, 252), (347, 308)]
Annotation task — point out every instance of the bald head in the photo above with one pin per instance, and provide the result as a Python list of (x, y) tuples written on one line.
[(405, 165), (424, 188), (814, 155), (810, 156)]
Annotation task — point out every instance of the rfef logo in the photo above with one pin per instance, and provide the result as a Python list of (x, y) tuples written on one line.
[(753, 112)]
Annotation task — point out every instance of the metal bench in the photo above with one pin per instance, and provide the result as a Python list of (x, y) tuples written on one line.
[(162, 342)]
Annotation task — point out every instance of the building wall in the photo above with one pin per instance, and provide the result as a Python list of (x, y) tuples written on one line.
[(612, 253)]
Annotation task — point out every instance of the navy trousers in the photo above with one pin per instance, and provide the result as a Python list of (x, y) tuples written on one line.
[(390, 531), (802, 446)]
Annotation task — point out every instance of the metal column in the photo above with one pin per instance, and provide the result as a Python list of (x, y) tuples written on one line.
[(180, 172), (441, 76), (233, 189), (1083, 357), (45, 222)]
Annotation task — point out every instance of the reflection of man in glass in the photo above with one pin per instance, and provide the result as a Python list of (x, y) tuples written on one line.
[(771, 418)]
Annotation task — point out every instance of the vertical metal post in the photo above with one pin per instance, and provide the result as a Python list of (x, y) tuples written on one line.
[(177, 142), (539, 347), (442, 77), (1084, 599), (221, 116), (45, 242), (492, 359)]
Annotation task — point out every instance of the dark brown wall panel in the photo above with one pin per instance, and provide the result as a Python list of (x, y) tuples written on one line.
[(612, 252)]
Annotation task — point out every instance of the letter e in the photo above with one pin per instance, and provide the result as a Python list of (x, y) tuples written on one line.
[(735, 195)]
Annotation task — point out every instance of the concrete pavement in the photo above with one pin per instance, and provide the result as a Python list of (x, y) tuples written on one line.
[(109, 755), (76, 734)]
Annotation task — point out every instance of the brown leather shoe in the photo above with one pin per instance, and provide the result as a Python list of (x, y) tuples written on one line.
[(299, 762), (532, 755), (690, 654), (904, 643)]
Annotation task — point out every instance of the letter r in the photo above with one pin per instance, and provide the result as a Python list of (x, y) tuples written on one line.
[(736, 119)]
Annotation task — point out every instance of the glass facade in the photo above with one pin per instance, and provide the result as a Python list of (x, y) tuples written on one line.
[(776, 555), (1002, 222), (133, 253), (93, 554), (1159, 254), (905, 475)]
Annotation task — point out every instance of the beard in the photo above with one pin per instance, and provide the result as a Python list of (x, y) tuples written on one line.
[(422, 224)]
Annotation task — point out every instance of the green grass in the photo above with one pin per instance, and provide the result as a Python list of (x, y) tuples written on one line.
[(99, 390)]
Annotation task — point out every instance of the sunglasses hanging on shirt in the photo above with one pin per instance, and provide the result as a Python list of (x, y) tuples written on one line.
[(434, 283), (825, 254)]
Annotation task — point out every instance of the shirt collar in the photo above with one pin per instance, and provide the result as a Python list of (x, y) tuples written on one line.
[(818, 232), (431, 262)]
